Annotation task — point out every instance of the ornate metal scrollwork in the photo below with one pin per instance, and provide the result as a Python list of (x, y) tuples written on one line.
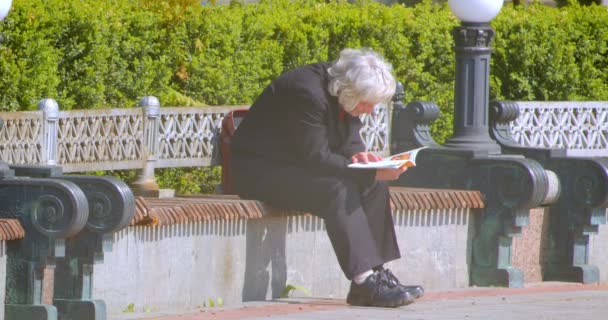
[(48, 214), (413, 130), (590, 183), (583, 197), (375, 130), (576, 215), (53, 208), (100, 208), (50, 210), (479, 37), (111, 205), (110, 200), (501, 115), (512, 185), (577, 126)]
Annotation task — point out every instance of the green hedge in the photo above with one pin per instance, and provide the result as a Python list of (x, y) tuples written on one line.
[(108, 54), (544, 53)]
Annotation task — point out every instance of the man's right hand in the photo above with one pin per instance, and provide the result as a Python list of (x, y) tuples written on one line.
[(389, 174)]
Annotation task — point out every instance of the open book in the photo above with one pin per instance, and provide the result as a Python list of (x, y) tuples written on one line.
[(407, 159)]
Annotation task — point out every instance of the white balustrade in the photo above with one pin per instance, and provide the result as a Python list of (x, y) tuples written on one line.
[(143, 138), (579, 127)]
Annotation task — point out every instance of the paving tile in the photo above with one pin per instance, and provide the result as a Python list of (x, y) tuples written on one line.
[(552, 302)]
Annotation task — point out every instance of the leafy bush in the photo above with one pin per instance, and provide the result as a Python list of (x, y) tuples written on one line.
[(583, 2), (109, 54), (542, 53), (189, 180), (182, 180)]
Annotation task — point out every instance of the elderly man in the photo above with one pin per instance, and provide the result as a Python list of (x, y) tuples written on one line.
[(293, 149)]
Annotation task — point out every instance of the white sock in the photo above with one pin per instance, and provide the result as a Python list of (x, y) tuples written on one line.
[(360, 278)]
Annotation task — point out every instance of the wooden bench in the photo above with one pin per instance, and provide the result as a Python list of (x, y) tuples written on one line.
[(193, 208), (187, 249)]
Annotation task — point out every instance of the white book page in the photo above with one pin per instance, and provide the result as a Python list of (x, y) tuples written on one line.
[(395, 161)]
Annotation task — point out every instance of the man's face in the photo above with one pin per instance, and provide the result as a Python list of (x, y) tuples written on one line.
[(362, 108)]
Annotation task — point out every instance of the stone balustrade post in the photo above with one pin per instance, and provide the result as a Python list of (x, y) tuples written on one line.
[(50, 125), (146, 185)]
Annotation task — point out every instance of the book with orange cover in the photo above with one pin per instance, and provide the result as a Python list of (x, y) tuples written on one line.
[(407, 159)]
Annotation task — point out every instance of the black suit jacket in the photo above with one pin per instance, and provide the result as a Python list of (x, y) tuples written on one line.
[(297, 122)]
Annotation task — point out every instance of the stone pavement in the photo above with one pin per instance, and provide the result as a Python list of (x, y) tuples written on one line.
[(546, 301)]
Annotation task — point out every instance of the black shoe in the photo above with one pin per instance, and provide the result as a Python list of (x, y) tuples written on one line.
[(414, 291), (378, 291)]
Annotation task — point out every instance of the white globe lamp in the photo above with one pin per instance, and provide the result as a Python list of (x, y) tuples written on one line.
[(5, 6), (475, 11)]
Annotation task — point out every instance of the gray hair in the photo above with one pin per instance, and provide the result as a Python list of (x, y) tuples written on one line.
[(361, 75)]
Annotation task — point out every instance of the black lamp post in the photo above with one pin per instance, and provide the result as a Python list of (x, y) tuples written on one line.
[(471, 94), (471, 159)]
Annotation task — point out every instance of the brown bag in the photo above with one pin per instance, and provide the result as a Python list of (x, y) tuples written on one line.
[(229, 124)]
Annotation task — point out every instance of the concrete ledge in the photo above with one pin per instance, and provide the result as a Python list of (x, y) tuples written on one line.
[(251, 254), (598, 254)]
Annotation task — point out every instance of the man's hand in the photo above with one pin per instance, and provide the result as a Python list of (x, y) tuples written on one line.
[(390, 174), (364, 157), (381, 174)]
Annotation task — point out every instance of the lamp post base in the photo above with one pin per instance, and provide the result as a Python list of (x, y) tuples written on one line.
[(477, 146)]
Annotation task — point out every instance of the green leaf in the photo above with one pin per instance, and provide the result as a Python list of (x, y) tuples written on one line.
[(290, 288), (130, 308)]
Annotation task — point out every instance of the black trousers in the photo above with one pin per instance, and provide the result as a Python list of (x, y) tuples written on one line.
[(358, 219)]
